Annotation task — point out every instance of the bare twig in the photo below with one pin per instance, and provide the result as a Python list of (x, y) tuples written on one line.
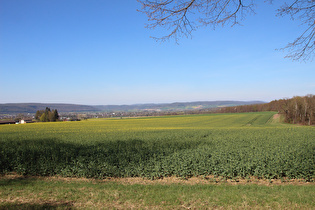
[(176, 16), (303, 47)]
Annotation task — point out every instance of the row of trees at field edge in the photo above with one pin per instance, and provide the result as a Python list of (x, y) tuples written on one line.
[(296, 110), (47, 115)]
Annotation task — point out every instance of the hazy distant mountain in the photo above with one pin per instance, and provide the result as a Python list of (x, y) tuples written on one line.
[(178, 106), (33, 107), (14, 108)]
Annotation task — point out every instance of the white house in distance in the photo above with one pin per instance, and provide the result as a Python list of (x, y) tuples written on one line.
[(24, 121)]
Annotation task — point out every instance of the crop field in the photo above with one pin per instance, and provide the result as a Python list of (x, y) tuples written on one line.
[(226, 145)]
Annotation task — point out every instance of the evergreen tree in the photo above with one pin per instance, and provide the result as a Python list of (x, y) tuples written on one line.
[(47, 115), (56, 115)]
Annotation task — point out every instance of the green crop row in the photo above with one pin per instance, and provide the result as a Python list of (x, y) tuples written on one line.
[(229, 145)]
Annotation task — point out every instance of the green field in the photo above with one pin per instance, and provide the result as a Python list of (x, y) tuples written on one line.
[(226, 145), (216, 161)]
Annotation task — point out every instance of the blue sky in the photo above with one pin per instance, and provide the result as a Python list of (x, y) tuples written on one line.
[(99, 52)]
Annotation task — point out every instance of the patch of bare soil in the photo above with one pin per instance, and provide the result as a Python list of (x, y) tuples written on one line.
[(208, 180), (276, 116), (171, 180)]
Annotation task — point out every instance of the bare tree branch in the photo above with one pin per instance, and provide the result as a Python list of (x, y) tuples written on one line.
[(182, 17), (174, 14), (303, 47)]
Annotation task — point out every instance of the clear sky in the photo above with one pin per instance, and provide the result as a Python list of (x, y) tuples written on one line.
[(98, 52)]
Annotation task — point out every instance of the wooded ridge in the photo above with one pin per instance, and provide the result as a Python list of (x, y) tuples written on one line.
[(14, 108)]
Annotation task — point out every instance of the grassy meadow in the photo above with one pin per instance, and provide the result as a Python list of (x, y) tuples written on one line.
[(212, 147), (56, 193)]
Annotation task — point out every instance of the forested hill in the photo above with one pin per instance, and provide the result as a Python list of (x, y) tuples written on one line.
[(14, 108), (178, 106)]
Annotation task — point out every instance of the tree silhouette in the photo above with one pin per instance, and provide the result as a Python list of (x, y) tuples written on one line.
[(178, 17), (47, 115)]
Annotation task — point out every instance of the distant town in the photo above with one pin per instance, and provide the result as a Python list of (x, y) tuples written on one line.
[(22, 118), (20, 113), (297, 110)]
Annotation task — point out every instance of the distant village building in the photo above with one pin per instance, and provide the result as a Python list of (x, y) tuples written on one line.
[(22, 121)]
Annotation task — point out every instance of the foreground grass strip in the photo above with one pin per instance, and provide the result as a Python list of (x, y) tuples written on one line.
[(38, 193)]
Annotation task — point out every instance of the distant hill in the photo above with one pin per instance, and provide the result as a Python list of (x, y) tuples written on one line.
[(14, 108), (178, 106)]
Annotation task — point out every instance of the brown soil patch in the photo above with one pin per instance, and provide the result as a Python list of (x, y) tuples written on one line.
[(276, 116), (170, 180), (207, 180)]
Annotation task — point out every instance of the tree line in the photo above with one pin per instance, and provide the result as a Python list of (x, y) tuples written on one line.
[(296, 110), (47, 115)]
